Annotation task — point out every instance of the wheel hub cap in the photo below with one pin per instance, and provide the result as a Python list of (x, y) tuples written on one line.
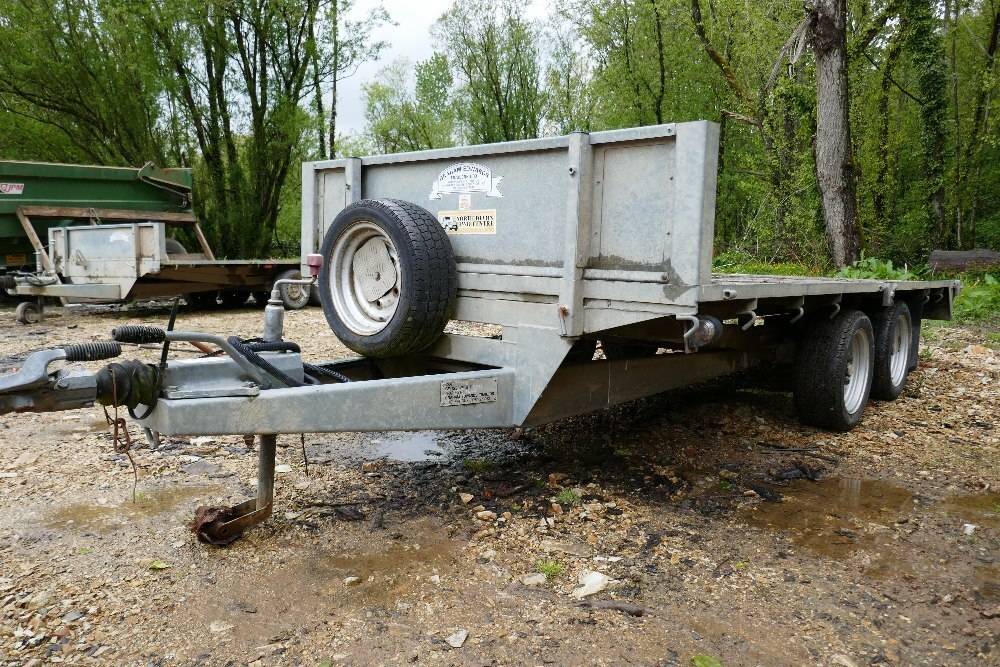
[(374, 270)]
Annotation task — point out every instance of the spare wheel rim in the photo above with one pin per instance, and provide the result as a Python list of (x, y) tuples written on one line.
[(365, 278)]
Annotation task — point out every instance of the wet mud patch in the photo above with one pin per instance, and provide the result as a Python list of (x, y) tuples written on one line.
[(833, 517), (890, 534), (977, 508), (148, 505), (357, 574)]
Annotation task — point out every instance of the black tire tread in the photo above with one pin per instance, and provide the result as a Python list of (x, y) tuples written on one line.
[(819, 384), (432, 281), (883, 323)]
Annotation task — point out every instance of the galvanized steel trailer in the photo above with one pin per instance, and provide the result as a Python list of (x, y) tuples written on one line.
[(590, 255)]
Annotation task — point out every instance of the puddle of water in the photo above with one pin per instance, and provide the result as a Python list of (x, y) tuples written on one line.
[(407, 446), (986, 582), (978, 508), (829, 518), (86, 516), (84, 426)]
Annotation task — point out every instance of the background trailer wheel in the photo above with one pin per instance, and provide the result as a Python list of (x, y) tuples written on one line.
[(175, 247), (202, 299), (389, 281), (293, 297), (232, 298), (833, 371), (27, 312), (893, 327)]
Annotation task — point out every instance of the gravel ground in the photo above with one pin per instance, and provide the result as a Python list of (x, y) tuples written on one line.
[(700, 523)]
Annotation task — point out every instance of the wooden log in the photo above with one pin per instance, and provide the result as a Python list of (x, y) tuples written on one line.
[(962, 260)]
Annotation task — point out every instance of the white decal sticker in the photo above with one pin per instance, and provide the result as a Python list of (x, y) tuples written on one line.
[(464, 202), (468, 392), (465, 178), (11, 188), (469, 222), (120, 237)]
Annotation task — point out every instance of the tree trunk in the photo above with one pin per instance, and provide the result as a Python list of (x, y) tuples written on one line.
[(885, 164), (318, 97), (834, 161), (334, 75), (980, 121), (955, 9)]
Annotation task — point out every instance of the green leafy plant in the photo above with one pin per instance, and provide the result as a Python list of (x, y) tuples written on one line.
[(979, 300), (705, 661), (567, 497), (550, 568), (874, 268)]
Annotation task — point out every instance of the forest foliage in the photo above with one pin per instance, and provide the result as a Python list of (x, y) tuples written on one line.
[(244, 90)]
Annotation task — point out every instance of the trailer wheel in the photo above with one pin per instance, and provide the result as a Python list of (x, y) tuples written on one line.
[(293, 297), (232, 298), (201, 299), (893, 328), (174, 247), (27, 312), (389, 281), (916, 312), (833, 371)]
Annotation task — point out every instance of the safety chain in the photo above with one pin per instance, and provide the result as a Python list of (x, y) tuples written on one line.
[(121, 441)]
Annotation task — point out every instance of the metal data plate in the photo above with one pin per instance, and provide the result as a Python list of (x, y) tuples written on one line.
[(468, 392)]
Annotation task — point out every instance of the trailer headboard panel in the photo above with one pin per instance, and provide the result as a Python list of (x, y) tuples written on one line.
[(550, 220)]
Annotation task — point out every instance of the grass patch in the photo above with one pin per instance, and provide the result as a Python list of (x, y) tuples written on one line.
[(732, 262), (478, 465), (567, 497), (550, 568)]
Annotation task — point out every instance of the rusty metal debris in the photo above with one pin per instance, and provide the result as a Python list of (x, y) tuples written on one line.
[(223, 525)]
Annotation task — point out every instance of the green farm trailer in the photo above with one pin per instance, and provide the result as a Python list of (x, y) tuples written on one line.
[(100, 234), (61, 186)]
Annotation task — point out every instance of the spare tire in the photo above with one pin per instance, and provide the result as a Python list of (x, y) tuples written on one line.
[(389, 282)]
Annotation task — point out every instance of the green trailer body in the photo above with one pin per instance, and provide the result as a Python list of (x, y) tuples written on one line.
[(77, 186)]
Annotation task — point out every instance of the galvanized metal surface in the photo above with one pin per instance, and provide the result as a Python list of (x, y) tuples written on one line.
[(390, 404), (634, 205), (604, 235)]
